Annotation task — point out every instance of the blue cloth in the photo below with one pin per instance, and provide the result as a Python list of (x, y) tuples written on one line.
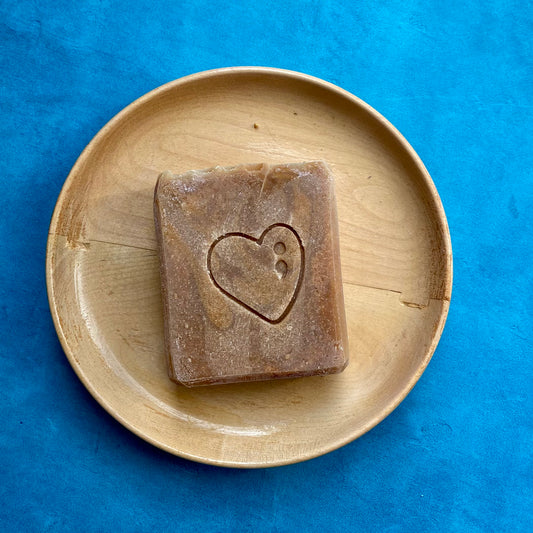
[(456, 78)]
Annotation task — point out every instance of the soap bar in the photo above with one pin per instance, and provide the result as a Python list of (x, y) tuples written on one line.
[(250, 273)]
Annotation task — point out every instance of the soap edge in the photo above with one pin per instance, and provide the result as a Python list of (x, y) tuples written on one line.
[(166, 175), (339, 290), (238, 378)]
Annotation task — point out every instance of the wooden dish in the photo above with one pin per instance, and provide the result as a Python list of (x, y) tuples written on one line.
[(103, 278)]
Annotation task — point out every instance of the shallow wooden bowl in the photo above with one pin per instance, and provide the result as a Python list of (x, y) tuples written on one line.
[(103, 277)]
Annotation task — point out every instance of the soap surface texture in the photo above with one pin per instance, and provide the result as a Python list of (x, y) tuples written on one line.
[(250, 273)]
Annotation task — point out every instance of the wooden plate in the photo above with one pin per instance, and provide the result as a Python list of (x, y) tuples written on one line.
[(103, 280)]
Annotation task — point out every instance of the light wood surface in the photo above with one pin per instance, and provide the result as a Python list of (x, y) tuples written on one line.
[(103, 276)]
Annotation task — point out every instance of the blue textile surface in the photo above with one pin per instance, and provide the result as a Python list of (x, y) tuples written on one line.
[(456, 78)]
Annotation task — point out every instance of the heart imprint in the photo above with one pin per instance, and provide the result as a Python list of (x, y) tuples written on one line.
[(264, 274)]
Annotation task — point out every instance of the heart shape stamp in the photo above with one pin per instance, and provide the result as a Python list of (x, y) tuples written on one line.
[(262, 274)]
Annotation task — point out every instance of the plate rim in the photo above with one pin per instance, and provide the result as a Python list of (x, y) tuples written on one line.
[(436, 206)]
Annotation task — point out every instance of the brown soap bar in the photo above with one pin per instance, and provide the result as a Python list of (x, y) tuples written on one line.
[(250, 273)]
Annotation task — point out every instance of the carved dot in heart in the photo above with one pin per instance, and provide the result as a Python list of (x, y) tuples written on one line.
[(262, 274)]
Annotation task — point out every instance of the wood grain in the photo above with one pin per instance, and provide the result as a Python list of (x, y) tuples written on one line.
[(103, 280)]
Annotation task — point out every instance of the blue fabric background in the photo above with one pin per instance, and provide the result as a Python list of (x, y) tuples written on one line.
[(456, 78)]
